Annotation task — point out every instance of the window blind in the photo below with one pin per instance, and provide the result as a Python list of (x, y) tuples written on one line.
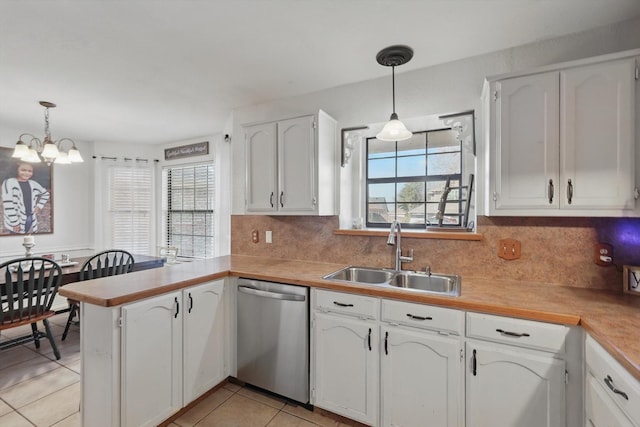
[(189, 209), (130, 207)]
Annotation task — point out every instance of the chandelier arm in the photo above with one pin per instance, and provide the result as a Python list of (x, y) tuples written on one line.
[(60, 141), (33, 138)]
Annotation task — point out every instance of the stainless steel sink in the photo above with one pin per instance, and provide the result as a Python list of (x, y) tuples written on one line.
[(440, 284), (371, 276), (434, 283)]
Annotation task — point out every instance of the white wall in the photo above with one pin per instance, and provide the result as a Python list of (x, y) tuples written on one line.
[(446, 88)]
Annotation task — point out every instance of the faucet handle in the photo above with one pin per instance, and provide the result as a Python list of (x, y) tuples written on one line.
[(408, 258), (427, 270)]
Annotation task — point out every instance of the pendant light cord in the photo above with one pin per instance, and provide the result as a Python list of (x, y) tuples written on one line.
[(393, 87)]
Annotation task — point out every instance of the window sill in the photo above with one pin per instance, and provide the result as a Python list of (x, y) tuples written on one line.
[(413, 234)]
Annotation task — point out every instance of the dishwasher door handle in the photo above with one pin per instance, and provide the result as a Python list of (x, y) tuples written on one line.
[(273, 295)]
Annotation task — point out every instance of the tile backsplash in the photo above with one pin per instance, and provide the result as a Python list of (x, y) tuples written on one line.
[(556, 251)]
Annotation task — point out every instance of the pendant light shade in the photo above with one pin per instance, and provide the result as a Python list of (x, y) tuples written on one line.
[(393, 56), (394, 130)]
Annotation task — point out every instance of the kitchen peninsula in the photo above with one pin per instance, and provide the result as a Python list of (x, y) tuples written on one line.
[(611, 318)]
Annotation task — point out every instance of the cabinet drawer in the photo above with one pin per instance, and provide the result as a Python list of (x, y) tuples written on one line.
[(423, 316), (612, 376), (600, 409), (338, 302), (519, 332)]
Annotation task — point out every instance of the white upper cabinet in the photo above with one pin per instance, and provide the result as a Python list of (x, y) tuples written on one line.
[(262, 180), (526, 142), (562, 142), (597, 136), (292, 166)]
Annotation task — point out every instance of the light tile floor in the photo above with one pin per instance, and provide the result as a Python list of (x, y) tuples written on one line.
[(38, 390)]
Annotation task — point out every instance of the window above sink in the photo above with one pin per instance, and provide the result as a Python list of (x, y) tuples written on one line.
[(425, 183)]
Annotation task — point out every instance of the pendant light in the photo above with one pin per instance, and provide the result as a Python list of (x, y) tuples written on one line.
[(393, 56)]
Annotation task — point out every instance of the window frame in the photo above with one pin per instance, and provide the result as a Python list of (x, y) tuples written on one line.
[(208, 251), (426, 178)]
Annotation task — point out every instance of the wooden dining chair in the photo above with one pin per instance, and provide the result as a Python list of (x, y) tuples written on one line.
[(111, 262), (26, 294)]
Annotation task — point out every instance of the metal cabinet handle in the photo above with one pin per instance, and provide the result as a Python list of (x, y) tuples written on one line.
[(474, 365), (369, 339), (271, 199), (175, 316), (190, 303), (513, 334), (282, 199), (341, 304), (609, 383), (569, 191), (386, 340), (418, 317), (550, 191)]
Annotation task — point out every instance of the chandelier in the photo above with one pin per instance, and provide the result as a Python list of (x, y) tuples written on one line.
[(48, 150)]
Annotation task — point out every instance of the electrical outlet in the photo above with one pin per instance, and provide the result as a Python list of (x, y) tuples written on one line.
[(268, 236), (255, 236), (603, 254), (509, 249)]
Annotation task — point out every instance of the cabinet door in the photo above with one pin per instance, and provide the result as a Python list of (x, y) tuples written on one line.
[(261, 172), (420, 379), (526, 142), (597, 131), (151, 373), (510, 388), (296, 163), (203, 339), (346, 364)]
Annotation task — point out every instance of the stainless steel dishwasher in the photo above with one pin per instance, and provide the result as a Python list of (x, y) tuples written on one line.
[(273, 337)]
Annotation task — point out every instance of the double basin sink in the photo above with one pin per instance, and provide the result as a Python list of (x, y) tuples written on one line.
[(432, 283)]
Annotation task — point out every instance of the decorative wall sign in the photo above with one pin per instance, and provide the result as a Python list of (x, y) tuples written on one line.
[(191, 150), (27, 196), (631, 279)]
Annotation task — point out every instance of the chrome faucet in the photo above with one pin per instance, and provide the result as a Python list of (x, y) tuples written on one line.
[(397, 229)]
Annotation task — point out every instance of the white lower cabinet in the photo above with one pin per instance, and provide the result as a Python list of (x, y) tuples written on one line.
[(146, 360), (612, 395), (506, 388), (601, 410), (345, 355), (420, 379), (409, 374), (516, 372), (151, 371), (203, 338), (346, 367)]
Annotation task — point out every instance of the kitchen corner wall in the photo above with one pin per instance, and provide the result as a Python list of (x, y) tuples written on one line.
[(555, 251)]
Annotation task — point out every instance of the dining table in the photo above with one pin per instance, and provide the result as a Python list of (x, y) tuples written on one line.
[(71, 268)]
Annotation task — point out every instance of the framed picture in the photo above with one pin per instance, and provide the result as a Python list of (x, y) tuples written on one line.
[(631, 279), (27, 196)]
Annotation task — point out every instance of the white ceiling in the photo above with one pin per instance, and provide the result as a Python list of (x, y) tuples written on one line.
[(157, 71)]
